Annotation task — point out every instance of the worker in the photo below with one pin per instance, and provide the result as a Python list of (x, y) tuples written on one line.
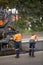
[(17, 41), (32, 42)]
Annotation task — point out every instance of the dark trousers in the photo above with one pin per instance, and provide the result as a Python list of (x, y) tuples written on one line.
[(17, 48), (31, 48)]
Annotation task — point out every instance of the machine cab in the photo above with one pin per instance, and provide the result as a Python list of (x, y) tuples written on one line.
[(2, 19)]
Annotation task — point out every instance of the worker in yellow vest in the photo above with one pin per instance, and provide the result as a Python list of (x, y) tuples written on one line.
[(17, 41), (32, 42)]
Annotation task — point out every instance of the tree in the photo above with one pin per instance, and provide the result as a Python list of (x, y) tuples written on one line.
[(27, 8)]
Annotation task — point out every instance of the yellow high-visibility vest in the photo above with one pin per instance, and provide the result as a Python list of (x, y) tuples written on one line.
[(34, 37)]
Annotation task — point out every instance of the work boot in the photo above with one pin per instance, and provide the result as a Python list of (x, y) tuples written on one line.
[(17, 56)]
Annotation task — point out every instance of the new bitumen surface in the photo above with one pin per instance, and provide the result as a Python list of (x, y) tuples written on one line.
[(23, 60)]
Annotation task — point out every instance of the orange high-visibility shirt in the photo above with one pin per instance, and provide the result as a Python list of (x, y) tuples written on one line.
[(17, 37)]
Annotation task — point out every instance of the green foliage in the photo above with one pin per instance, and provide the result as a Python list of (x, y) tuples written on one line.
[(20, 24), (27, 8), (37, 26)]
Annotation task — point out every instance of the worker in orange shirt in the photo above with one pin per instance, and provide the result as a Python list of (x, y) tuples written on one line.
[(17, 41), (32, 42)]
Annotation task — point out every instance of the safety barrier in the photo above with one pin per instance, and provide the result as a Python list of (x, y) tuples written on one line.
[(24, 47), (38, 45)]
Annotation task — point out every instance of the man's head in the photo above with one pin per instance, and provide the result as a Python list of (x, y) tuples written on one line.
[(9, 27), (7, 7)]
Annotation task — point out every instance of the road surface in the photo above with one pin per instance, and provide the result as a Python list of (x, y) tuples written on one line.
[(23, 60)]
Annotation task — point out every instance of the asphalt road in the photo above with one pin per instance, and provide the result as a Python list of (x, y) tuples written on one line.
[(23, 60)]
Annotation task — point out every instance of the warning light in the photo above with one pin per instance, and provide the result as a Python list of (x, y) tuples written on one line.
[(1, 22)]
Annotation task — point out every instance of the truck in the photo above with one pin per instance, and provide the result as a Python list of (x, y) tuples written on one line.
[(6, 44)]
